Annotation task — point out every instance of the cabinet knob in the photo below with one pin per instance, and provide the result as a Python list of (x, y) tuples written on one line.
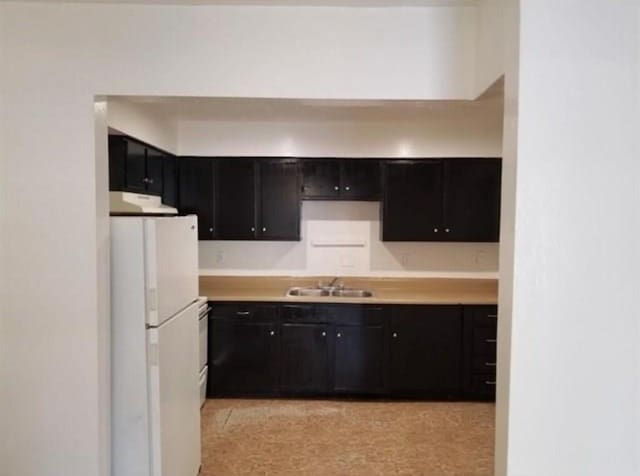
[(336, 188), (395, 335), (253, 228), (435, 230), (264, 228), (272, 333), (150, 180), (447, 230), (347, 188), (339, 335), (324, 334), (211, 230)]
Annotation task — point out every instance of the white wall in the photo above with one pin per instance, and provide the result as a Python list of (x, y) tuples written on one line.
[(461, 132), (137, 121), (60, 56), (338, 223), (574, 372), (490, 43)]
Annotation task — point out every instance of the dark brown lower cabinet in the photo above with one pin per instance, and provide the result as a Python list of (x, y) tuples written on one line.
[(243, 357), (480, 345), (393, 351), (426, 350), (304, 358), (360, 360)]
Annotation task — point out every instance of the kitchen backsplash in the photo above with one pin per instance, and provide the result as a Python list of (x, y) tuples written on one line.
[(343, 238)]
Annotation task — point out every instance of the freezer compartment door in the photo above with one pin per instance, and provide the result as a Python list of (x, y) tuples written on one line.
[(174, 395), (171, 260)]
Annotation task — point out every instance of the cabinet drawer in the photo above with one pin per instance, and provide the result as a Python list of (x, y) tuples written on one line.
[(247, 311), (484, 364), (485, 316), (484, 342), (298, 313), (352, 314), (484, 385)]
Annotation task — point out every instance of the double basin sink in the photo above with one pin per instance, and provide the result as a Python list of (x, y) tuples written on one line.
[(329, 292)]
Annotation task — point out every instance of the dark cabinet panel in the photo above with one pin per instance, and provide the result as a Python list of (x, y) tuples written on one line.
[(360, 359), (321, 178), (426, 350), (117, 159), (197, 193), (279, 200), (304, 358), (170, 182), (412, 200), (155, 162), (360, 179), (135, 167), (237, 199), (243, 357), (472, 199)]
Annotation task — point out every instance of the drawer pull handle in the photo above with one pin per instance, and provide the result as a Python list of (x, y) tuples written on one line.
[(490, 341), (489, 382), (243, 313), (489, 364), (492, 316)]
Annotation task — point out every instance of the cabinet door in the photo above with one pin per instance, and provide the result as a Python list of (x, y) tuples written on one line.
[(472, 199), (155, 161), (170, 182), (304, 358), (197, 192), (243, 357), (426, 350), (359, 364), (321, 179), (117, 162), (237, 199), (412, 200), (360, 179), (279, 200), (136, 170)]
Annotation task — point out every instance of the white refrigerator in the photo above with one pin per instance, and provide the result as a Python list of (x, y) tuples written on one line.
[(154, 346)]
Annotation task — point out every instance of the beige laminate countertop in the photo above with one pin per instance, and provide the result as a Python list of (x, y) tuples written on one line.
[(385, 290)]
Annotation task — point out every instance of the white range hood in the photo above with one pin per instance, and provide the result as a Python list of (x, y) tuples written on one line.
[(138, 204)]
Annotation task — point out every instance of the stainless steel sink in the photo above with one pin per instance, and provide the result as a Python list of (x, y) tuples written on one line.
[(308, 292), (329, 292), (352, 293)]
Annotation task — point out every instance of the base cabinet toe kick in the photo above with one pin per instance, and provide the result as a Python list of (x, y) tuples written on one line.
[(434, 352)]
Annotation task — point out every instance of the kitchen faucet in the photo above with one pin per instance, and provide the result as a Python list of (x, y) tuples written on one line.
[(332, 284)]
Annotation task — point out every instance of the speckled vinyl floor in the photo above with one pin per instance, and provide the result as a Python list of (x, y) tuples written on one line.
[(334, 438)]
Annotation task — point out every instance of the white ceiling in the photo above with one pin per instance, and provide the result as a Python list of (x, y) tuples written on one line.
[(320, 3), (300, 110)]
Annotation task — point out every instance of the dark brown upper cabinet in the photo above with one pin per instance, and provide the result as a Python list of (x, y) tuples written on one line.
[(360, 179), (279, 204), (341, 179), (135, 167), (441, 200), (472, 199), (237, 199), (412, 200), (259, 199), (197, 193), (170, 181)]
